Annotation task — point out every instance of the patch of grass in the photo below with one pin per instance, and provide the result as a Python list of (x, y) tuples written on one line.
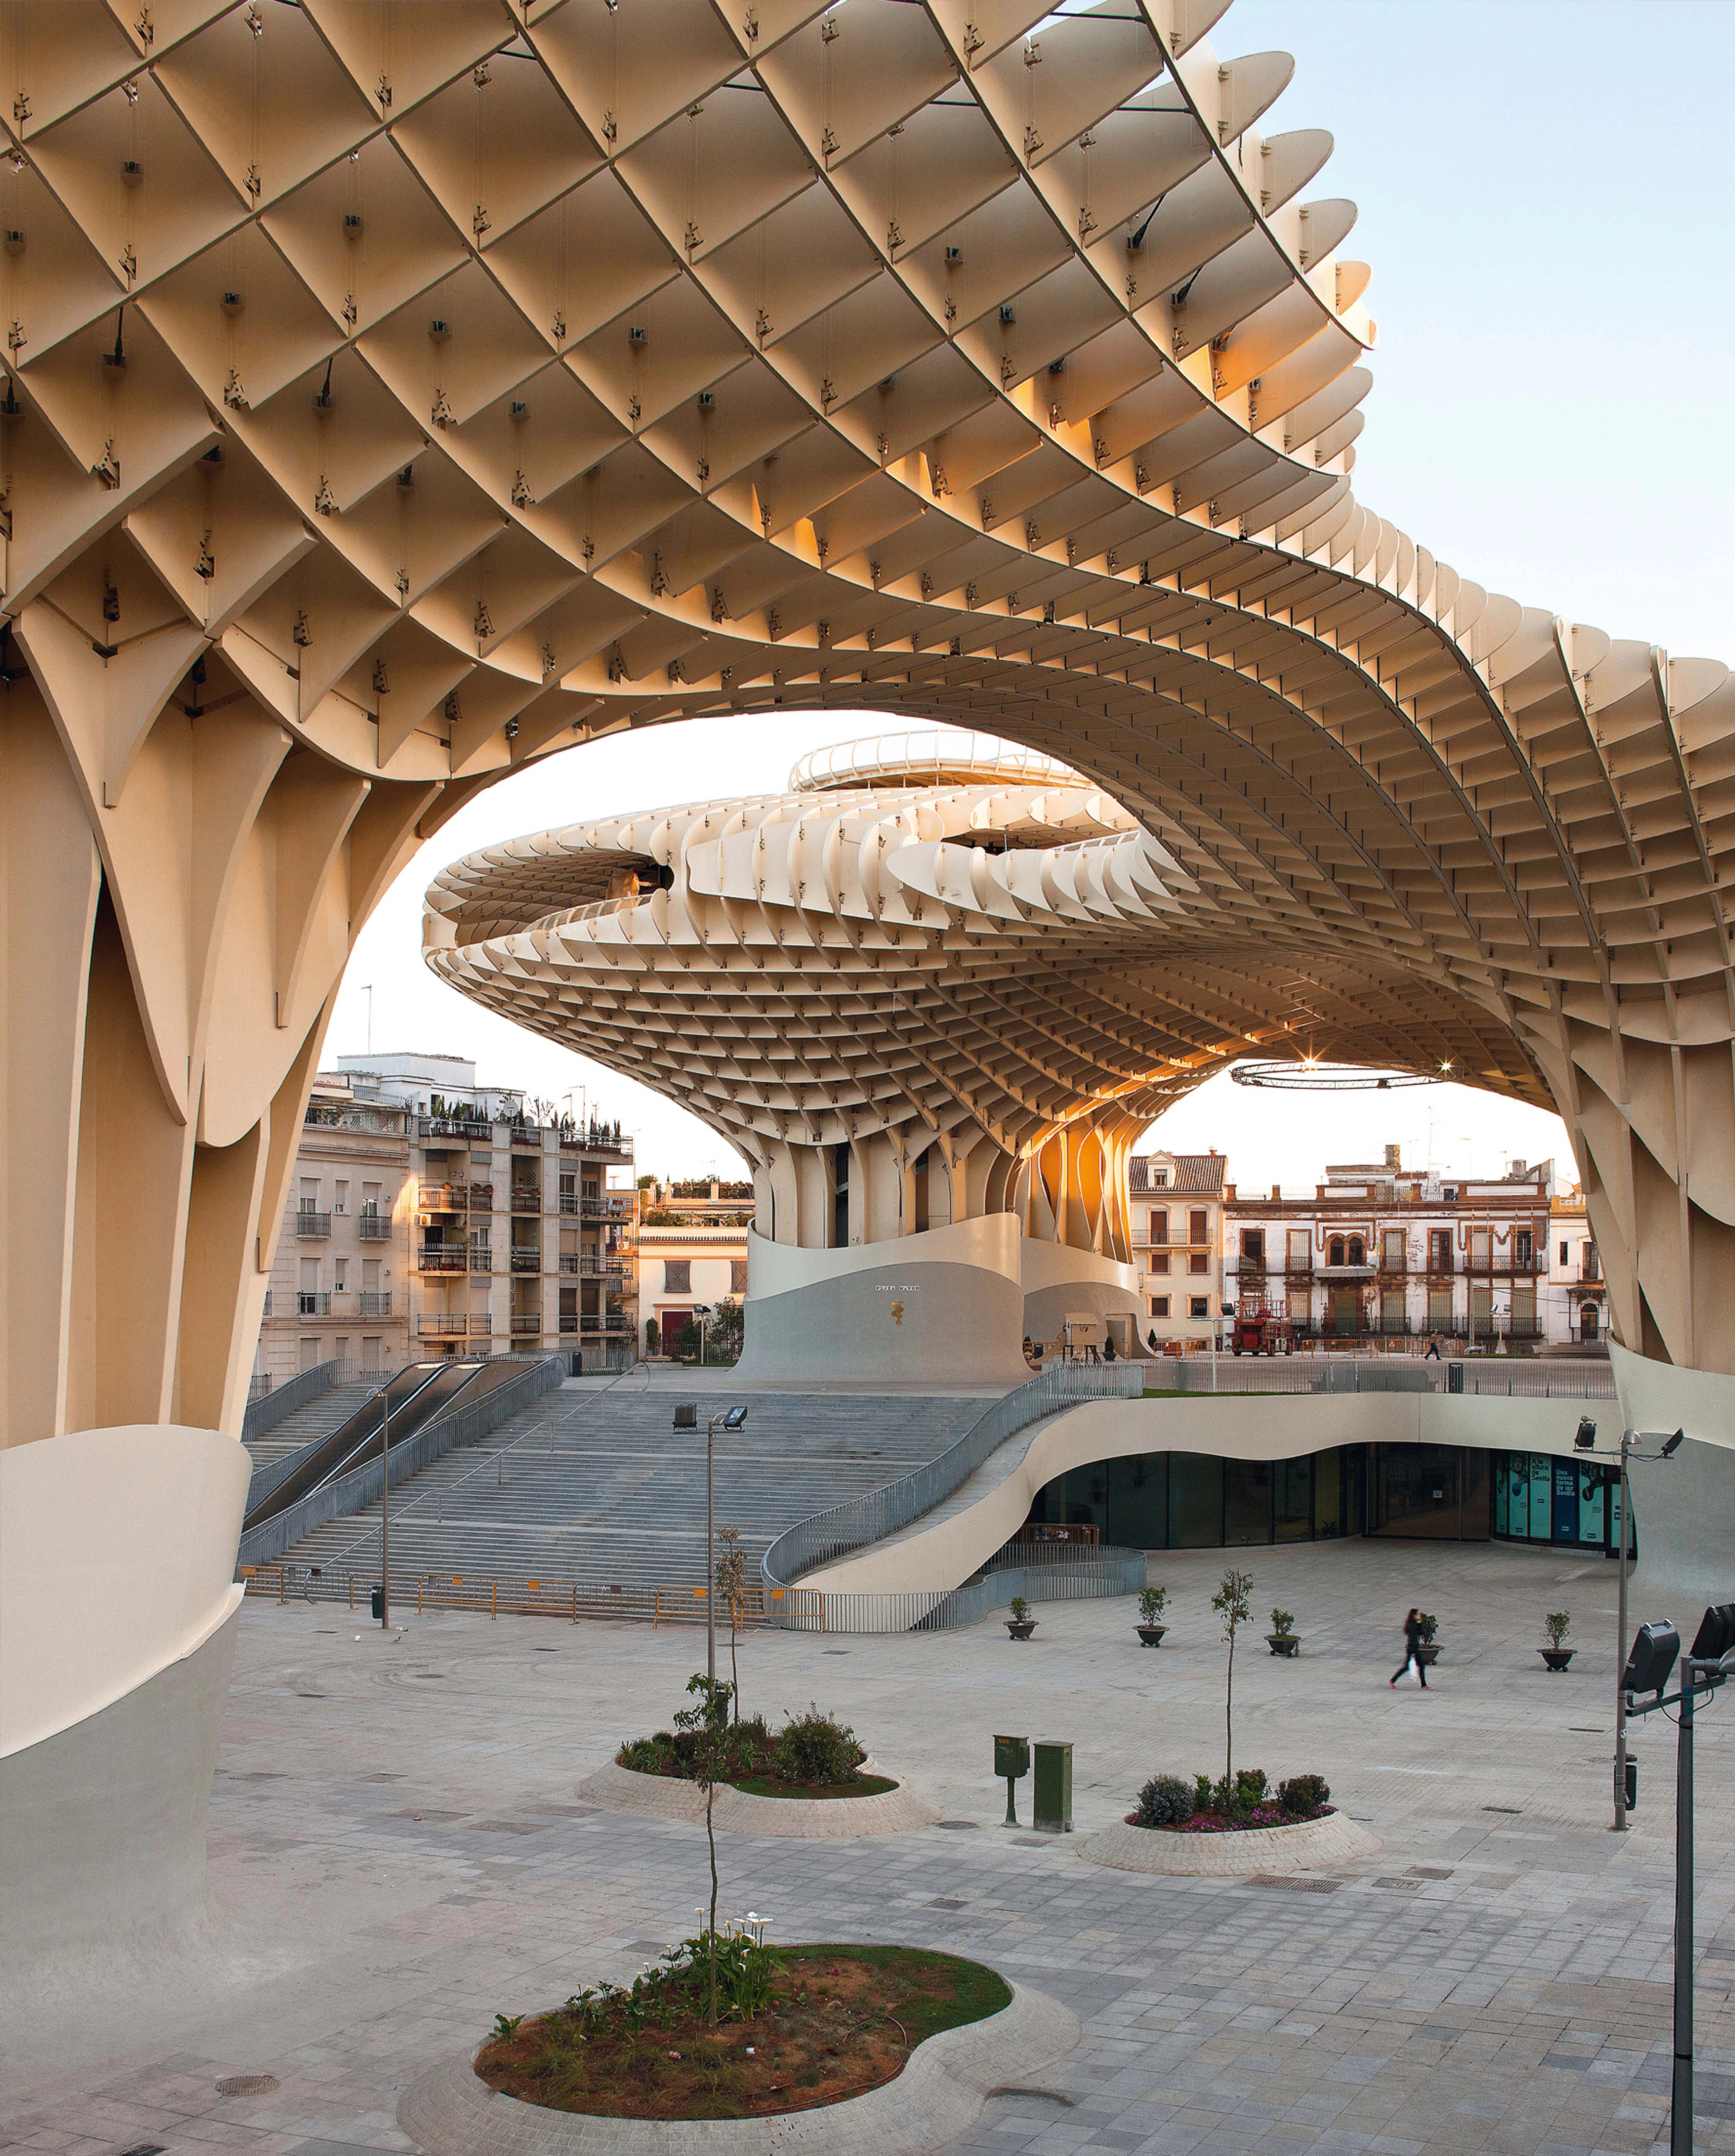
[(863, 1785), (948, 1991)]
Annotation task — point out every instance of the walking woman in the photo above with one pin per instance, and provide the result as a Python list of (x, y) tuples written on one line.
[(1413, 1651)]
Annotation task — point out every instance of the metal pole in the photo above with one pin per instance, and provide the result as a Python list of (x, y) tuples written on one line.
[(711, 1570), (1620, 1654), (385, 1512), (1680, 2101)]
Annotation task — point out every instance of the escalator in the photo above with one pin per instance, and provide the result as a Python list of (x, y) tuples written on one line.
[(413, 1398)]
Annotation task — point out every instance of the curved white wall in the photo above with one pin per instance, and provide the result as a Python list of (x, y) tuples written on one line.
[(117, 1558), (1058, 1280), (942, 1307), (1233, 1425), (118, 1615)]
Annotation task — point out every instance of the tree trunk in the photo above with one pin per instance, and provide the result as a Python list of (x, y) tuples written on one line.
[(1229, 1721), (711, 1838)]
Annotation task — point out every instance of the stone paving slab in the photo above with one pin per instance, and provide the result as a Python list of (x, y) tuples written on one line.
[(397, 1858)]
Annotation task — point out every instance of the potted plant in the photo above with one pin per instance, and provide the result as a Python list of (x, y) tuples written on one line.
[(1281, 1638), (1427, 1654), (1020, 1624), (1152, 1602), (1557, 1624)]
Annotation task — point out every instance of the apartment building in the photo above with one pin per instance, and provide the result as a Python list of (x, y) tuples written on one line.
[(1174, 1204), (1578, 1295), (435, 1216), (341, 1280), (692, 1251), (1378, 1252)]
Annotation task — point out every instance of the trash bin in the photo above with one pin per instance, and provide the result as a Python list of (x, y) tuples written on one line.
[(379, 1603), (1052, 1789), (1632, 1783)]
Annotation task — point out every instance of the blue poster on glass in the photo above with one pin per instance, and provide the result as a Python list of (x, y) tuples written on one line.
[(1566, 1500)]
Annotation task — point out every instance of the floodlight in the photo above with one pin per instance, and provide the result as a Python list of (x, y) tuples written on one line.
[(736, 1418), (1716, 1634), (1672, 1444), (686, 1415), (1653, 1651), (1586, 1437)]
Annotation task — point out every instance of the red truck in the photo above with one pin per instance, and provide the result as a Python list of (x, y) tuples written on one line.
[(1257, 1331)]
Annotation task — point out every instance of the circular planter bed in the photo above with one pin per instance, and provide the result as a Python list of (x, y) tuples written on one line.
[(845, 1808), (924, 2039), (1309, 1845)]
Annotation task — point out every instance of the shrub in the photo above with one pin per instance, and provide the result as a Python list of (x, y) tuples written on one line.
[(1165, 1800), (1557, 1624), (1020, 1609), (814, 1749), (1250, 1788), (646, 1755), (1152, 1602), (1204, 1793), (1304, 1796), (1283, 1623), (1427, 1626)]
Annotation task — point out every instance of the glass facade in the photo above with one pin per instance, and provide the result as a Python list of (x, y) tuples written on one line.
[(1430, 1492), (1541, 1497)]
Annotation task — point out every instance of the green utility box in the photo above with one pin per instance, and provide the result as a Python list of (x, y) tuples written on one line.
[(1011, 1762), (1053, 1786)]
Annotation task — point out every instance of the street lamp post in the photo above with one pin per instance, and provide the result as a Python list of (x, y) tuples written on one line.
[(385, 1508), (731, 1418), (1631, 1441)]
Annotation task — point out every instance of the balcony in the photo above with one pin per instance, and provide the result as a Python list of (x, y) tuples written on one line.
[(1525, 1266), (527, 1321), (527, 1134), (481, 1197), (312, 1303), (612, 1325), (445, 1198), (374, 1227), (313, 1226), (1590, 1273), (526, 1200), (609, 1145), (441, 1257), (437, 1325), (481, 1258), (592, 1267), (374, 1305), (568, 1322), (526, 1260), (452, 1127)]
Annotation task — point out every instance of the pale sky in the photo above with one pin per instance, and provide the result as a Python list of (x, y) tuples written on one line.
[(1541, 191)]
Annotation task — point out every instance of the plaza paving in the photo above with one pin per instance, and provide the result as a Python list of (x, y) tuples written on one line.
[(398, 1850)]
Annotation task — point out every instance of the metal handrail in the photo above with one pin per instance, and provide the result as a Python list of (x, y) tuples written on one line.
[(827, 1536)]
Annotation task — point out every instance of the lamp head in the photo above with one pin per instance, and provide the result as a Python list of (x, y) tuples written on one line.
[(1586, 1437), (1653, 1652), (736, 1418), (1672, 1444), (686, 1415), (1716, 1634)]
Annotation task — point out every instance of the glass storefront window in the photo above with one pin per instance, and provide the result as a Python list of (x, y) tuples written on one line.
[(1327, 1496), (1292, 1492), (1416, 1491), (1246, 1502), (1138, 1501), (1195, 1501)]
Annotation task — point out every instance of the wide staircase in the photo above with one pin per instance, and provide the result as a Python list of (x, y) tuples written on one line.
[(591, 1490), (301, 1427)]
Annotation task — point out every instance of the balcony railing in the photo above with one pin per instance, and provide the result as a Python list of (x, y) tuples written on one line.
[(436, 1326), (614, 1324), (568, 1322), (441, 1257), (481, 1258), (445, 1197), (374, 1227), (375, 1305), (312, 1224), (481, 1197), (526, 1200), (1502, 1262), (526, 1262), (452, 1127), (311, 1302), (523, 1322)]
